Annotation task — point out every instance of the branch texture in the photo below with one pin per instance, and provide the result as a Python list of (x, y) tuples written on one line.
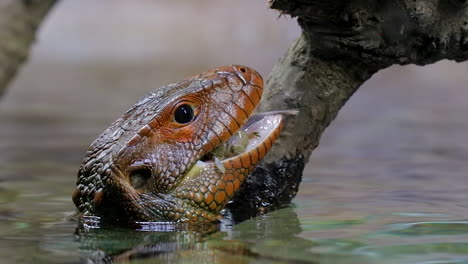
[(342, 45)]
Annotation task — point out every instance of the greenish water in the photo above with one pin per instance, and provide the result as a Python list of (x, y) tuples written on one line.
[(388, 183)]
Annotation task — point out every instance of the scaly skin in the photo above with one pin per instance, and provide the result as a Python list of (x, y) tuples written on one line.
[(147, 142)]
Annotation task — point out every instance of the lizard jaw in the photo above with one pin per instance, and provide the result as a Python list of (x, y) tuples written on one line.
[(206, 188), (266, 127)]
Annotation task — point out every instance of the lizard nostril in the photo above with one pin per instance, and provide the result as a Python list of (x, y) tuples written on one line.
[(139, 177)]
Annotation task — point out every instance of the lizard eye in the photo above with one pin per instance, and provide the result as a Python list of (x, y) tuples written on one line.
[(184, 114)]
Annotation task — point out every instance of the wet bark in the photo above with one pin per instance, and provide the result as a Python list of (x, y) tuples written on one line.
[(19, 20), (343, 43)]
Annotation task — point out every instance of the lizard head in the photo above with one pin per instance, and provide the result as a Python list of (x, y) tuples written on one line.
[(154, 163)]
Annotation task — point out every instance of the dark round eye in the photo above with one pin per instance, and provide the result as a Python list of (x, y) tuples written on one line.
[(183, 114)]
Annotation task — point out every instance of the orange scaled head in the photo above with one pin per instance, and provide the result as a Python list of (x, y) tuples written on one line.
[(135, 170)]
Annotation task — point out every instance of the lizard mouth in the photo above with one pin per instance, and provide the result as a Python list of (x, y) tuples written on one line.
[(254, 139), (246, 147), (261, 131), (214, 179)]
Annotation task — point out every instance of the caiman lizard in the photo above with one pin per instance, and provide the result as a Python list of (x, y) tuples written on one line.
[(180, 153)]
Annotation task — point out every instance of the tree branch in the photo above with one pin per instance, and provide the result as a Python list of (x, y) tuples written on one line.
[(342, 45), (19, 20)]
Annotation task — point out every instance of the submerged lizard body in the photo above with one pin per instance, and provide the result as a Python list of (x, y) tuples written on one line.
[(155, 162)]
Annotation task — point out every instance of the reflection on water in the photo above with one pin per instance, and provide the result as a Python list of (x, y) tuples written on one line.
[(386, 185), (270, 238)]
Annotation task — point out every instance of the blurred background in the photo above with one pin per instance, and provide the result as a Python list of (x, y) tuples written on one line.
[(397, 153)]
